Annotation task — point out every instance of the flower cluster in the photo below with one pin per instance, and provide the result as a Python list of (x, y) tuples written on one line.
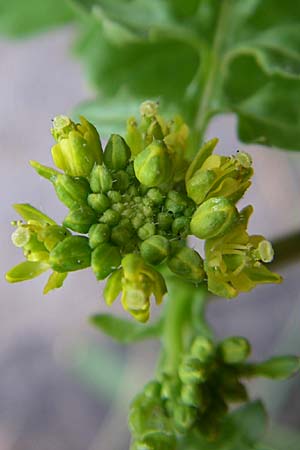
[(196, 398), (136, 202)]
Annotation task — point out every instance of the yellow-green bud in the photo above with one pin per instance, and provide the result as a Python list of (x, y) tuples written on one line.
[(114, 196), (164, 220), (175, 203), (73, 253), (98, 233), (192, 370), (234, 350), (153, 165), (213, 218), (117, 153), (155, 196), (200, 184), (146, 231), (100, 179), (187, 263), (181, 226), (121, 180), (134, 137), (113, 287), (184, 417), (110, 217), (120, 235), (194, 395), (105, 259), (78, 147), (72, 191), (155, 249), (98, 202), (80, 219), (203, 349)]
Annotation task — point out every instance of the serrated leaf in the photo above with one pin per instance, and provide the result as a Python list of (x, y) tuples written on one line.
[(26, 270), (125, 331), (240, 56), (19, 18)]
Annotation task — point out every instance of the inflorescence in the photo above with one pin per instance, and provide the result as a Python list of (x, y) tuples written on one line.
[(134, 205)]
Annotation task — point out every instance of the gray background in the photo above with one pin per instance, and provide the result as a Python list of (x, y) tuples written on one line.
[(50, 387)]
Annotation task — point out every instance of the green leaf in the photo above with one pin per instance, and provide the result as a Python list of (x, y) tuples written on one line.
[(278, 367), (26, 271), (242, 430), (125, 331), (240, 56), (19, 18), (55, 281), (29, 212)]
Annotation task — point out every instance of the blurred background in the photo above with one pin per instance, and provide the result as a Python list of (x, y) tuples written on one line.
[(63, 385)]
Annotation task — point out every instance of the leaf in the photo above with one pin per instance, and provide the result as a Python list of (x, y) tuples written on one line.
[(26, 271), (240, 56), (242, 430), (125, 331), (29, 212), (278, 367), (55, 281), (20, 18)]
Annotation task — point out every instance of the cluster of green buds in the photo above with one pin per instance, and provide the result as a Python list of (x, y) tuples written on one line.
[(136, 202), (208, 382)]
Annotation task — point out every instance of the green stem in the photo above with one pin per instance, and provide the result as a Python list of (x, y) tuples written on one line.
[(208, 74)]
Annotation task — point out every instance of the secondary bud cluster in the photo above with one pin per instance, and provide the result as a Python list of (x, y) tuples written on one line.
[(137, 201), (196, 397)]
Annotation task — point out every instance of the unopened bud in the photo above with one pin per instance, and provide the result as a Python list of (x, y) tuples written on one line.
[(100, 179), (98, 202), (234, 350), (80, 219), (98, 233), (73, 253), (117, 153), (187, 263), (213, 218), (153, 165), (155, 249), (105, 259)]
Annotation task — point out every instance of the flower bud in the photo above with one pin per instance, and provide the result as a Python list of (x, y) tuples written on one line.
[(72, 191), (164, 220), (155, 196), (153, 165), (175, 202), (110, 217), (100, 179), (234, 350), (121, 235), (117, 153), (98, 233), (194, 395), (146, 231), (78, 147), (181, 226), (184, 417), (98, 202), (155, 249), (187, 263), (80, 219), (203, 349), (105, 259), (213, 218), (192, 370), (73, 253), (121, 181)]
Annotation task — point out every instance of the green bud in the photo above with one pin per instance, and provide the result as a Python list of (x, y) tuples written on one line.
[(80, 219), (155, 196), (213, 218), (164, 220), (72, 191), (152, 390), (181, 226), (155, 249), (137, 221), (200, 184), (117, 153), (203, 349), (110, 217), (100, 179), (146, 231), (98, 233), (98, 202), (120, 235), (170, 389), (114, 196), (234, 350), (187, 263), (121, 180), (73, 253), (52, 235), (78, 147), (184, 417), (105, 259), (194, 395), (153, 165), (192, 370), (113, 287), (175, 203)]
